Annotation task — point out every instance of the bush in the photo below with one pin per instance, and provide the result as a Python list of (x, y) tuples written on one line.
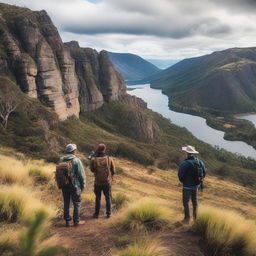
[(18, 204), (40, 174), (146, 215), (145, 249), (119, 200), (226, 232)]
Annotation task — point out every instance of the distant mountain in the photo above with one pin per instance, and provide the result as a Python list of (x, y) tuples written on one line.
[(131, 66), (163, 63), (223, 81)]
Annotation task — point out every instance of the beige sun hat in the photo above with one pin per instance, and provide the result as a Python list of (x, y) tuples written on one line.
[(190, 149), (70, 148)]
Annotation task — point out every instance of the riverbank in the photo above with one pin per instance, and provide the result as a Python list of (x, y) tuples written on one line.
[(235, 129), (197, 125)]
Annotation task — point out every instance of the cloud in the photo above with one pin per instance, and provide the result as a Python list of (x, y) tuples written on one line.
[(163, 28)]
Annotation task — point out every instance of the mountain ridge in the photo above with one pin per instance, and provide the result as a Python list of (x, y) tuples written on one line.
[(132, 66), (228, 76)]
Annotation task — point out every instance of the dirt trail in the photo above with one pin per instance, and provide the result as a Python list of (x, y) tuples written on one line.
[(95, 238)]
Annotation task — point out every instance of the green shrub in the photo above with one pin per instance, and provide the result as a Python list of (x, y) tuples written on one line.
[(119, 200), (226, 232), (146, 215), (145, 249), (38, 174)]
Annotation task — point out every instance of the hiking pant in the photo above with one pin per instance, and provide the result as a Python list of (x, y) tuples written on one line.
[(108, 197), (187, 194), (73, 193)]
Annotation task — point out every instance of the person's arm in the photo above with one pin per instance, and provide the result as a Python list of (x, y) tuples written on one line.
[(112, 167), (203, 167), (181, 172), (92, 167), (81, 173)]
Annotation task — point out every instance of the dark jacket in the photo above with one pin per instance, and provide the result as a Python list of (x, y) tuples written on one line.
[(77, 169), (95, 171), (185, 173)]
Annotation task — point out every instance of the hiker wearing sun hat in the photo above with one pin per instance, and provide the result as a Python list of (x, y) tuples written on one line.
[(72, 183), (191, 172)]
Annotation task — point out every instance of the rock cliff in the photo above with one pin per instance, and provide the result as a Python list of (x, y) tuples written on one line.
[(65, 77)]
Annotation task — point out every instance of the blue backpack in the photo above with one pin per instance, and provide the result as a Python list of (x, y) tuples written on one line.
[(197, 169)]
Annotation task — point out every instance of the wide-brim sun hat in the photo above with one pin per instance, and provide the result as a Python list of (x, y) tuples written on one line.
[(70, 148), (190, 149)]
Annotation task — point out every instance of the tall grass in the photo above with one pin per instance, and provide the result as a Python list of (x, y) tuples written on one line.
[(146, 215), (12, 170), (145, 249), (119, 200), (18, 204), (226, 232), (41, 173)]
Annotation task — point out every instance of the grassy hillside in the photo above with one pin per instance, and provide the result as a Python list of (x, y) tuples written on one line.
[(131, 66), (140, 194), (220, 82), (129, 130)]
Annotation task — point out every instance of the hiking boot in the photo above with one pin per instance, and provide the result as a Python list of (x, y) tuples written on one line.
[(67, 223), (108, 216), (95, 216), (185, 221), (78, 223)]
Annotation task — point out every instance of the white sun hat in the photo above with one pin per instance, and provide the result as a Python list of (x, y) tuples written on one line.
[(70, 148), (190, 149)]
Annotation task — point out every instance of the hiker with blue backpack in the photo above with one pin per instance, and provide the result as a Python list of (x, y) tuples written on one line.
[(70, 178), (191, 174)]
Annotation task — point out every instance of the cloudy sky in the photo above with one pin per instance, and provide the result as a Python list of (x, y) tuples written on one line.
[(169, 29)]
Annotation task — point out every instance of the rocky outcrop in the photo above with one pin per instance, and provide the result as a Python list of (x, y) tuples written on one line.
[(99, 82), (67, 78)]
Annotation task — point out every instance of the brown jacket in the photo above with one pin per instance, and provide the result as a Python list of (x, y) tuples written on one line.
[(102, 179)]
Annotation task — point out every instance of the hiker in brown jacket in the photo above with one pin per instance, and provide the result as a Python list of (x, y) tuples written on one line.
[(103, 168)]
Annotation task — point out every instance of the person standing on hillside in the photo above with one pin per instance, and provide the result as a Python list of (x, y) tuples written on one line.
[(191, 173), (75, 184), (104, 169)]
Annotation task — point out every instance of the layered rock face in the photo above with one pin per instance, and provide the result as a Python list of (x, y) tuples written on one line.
[(58, 75), (99, 82)]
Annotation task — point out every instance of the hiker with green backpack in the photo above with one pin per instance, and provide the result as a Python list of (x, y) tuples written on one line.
[(191, 174), (104, 169), (70, 178)]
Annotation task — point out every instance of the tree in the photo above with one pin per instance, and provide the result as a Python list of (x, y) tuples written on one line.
[(9, 100)]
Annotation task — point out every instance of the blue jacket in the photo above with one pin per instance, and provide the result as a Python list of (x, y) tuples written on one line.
[(185, 173), (78, 170)]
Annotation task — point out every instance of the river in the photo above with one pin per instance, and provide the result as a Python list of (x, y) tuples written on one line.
[(158, 102)]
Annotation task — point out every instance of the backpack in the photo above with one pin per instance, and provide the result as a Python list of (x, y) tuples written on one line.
[(102, 170), (197, 171), (64, 175)]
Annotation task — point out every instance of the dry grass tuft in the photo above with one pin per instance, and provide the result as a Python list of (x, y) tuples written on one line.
[(146, 215), (145, 249), (18, 204), (226, 232), (12, 170)]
